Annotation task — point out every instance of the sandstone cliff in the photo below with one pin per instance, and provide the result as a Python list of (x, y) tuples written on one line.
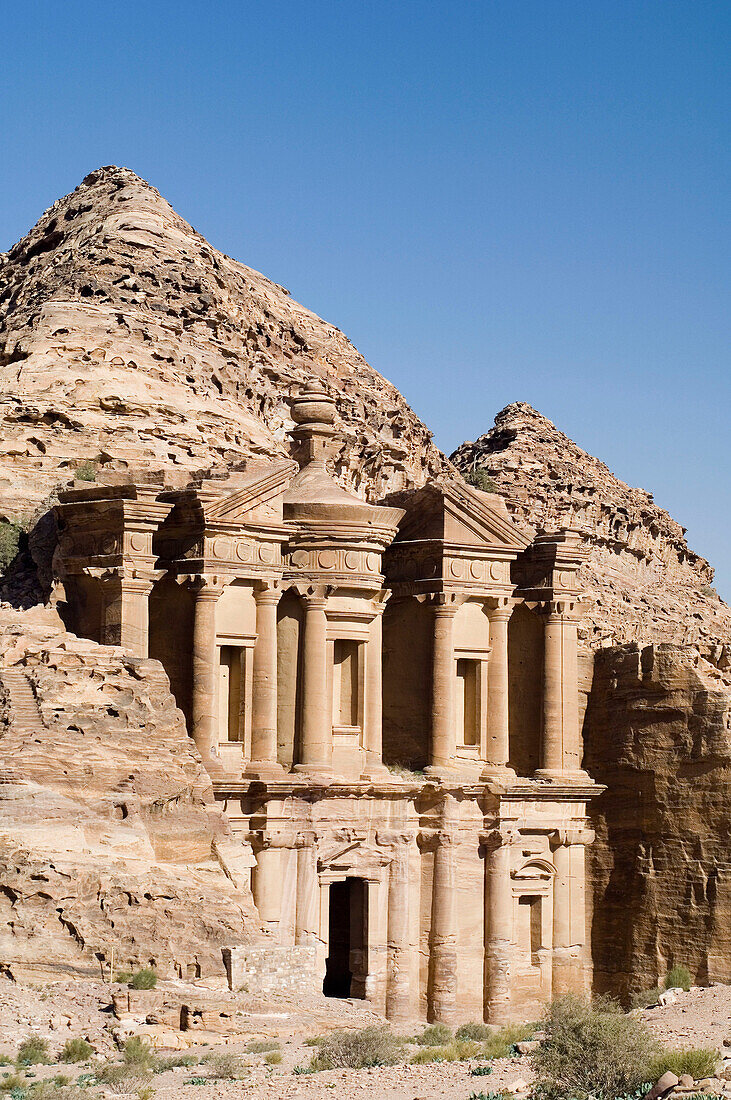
[(658, 733), (126, 339), (109, 838), (641, 580)]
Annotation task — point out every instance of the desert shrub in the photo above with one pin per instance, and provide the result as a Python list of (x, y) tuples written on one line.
[(33, 1052), (481, 1071), (12, 1082), (143, 979), (76, 1050), (491, 1096), (86, 471), (174, 1061), (478, 1032), (5, 1060), (480, 479), (698, 1063), (273, 1057), (371, 1046), (592, 1050), (138, 1052), (678, 978), (262, 1046), (501, 1043), (124, 977), (455, 1051), (645, 998), (225, 1065), (145, 1093), (438, 1035), (12, 539)]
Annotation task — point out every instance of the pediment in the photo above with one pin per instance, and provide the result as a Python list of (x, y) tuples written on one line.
[(353, 858), (258, 500), (457, 514)]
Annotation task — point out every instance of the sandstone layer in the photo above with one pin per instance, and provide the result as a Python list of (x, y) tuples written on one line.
[(110, 842), (658, 734), (641, 580), (126, 339)]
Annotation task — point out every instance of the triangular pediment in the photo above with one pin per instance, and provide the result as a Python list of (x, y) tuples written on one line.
[(257, 500), (459, 515)]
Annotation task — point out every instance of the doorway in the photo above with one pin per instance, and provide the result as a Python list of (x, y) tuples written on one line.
[(345, 966)]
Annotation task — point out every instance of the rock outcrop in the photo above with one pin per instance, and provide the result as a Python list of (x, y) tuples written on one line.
[(127, 341), (110, 841), (658, 734), (641, 580)]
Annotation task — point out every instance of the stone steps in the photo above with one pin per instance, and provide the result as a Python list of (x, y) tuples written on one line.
[(25, 713)]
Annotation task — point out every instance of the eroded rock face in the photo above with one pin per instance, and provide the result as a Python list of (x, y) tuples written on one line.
[(109, 836), (126, 338), (658, 733), (641, 580)]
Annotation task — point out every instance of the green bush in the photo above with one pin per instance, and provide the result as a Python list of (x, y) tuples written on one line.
[(143, 979), (698, 1063), (480, 479), (33, 1052), (501, 1043), (76, 1050), (478, 1032), (438, 1035), (138, 1052), (678, 978), (86, 471), (12, 539), (122, 1078), (646, 998), (371, 1046), (174, 1061), (12, 1082), (273, 1057), (481, 1071), (225, 1066), (5, 1060), (262, 1046), (456, 1051), (592, 1051)]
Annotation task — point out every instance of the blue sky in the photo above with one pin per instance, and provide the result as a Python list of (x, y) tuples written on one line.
[(496, 201)]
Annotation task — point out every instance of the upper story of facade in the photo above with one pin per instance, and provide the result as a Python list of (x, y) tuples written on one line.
[(311, 636)]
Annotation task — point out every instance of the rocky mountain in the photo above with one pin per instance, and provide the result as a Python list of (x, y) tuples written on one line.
[(110, 841), (641, 581), (129, 342)]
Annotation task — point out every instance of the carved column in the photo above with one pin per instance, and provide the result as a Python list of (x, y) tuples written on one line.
[(442, 994), (498, 926), (316, 748), (373, 739), (399, 1004), (561, 740), (443, 734), (307, 916), (498, 728), (267, 884), (264, 685), (569, 970), (126, 611), (205, 670)]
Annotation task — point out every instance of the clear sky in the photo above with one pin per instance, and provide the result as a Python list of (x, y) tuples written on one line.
[(497, 201)]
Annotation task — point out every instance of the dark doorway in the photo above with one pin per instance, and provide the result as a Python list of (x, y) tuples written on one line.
[(344, 967)]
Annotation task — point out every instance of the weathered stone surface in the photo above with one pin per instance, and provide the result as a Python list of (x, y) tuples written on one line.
[(642, 582), (127, 339), (658, 733), (109, 838)]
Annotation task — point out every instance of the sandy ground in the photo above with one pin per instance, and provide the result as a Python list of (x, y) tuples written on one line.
[(64, 1009)]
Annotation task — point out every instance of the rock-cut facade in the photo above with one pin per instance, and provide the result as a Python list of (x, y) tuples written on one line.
[(385, 696)]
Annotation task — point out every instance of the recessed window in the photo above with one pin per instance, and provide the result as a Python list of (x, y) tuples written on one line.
[(230, 718), (345, 682), (468, 711)]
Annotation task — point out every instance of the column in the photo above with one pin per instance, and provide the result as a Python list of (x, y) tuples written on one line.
[(263, 761), (373, 738), (443, 737), (399, 1004), (561, 740), (569, 970), (498, 728), (267, 885), (307, 914), (442, 993), (316, 742), (205, 670), (126, 612), (498, 927)]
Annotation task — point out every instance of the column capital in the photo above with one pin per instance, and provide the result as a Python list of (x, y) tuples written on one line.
[(579, 834), (566, 608), (268, 591), (499, 837), (446, 604), (395, 838), (205, 586), (314, 596), (499, 608), (379, 600)]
